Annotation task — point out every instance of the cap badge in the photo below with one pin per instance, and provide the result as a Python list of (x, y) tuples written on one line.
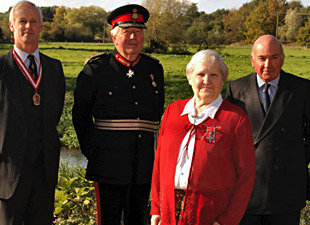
[(134, 14)]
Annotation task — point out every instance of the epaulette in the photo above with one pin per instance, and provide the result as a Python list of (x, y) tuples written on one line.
[(95, 57), (151, 57)]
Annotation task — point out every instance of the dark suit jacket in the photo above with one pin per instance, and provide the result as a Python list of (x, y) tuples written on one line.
[(281, 141), (13, 129)]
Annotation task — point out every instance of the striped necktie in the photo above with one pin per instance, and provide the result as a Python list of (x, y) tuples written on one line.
[(32, 67), (266, 97)]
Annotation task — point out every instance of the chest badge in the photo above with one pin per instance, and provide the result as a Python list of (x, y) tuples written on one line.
[(210, 133), (130, 73)]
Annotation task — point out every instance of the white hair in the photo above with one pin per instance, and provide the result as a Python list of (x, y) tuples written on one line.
[(21, 3), (205, 55)]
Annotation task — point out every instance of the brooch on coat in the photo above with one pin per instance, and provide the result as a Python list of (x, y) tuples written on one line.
[(210, 133)]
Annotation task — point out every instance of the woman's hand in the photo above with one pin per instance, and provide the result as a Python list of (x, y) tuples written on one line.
[(155, 220)]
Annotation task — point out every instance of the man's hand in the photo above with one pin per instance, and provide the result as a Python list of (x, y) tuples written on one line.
[(155, 220)]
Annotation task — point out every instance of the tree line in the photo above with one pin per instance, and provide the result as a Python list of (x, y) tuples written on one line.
[(175, 25)]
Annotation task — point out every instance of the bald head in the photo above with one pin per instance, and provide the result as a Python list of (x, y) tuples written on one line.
[(267, 57), (269, 39)]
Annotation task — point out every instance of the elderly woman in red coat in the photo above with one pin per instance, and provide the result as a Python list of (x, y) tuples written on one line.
[(204, 167)]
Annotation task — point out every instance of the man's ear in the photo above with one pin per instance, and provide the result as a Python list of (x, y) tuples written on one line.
[(11, 26)]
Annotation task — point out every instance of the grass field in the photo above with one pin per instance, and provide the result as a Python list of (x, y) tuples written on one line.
[(237, 58)]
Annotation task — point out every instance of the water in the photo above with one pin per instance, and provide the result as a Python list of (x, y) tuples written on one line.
[(73, 158)]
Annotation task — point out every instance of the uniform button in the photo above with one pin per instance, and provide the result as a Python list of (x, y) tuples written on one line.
[(136, 103), (110, 93), (140, 136), (275, 166), (133, 87), (283, 129), (156, 92)]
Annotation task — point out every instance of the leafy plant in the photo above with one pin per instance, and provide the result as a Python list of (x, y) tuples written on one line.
[(75, 201), (305, 215)]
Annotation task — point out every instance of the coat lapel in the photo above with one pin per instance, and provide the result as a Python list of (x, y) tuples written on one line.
[(10, 73), (254, 109), (278, 105)]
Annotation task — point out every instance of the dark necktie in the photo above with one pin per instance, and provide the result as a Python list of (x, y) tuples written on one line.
[(32, 67), (266, 97)]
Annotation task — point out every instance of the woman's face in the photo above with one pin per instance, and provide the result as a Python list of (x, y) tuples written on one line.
[(206, 81)]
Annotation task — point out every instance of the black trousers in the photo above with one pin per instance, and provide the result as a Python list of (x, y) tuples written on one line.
[(129, 202), (273, 219), (32, 202)]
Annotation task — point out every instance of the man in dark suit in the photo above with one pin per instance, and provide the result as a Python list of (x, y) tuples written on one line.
[(32, 91), (118, 103), (278, 105)]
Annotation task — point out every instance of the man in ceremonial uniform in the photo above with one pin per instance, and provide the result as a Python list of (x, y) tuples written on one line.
[(119, 101), (278, 106), (32, 88)]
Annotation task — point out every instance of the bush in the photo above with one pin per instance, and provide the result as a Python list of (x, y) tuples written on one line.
[(65, 127)]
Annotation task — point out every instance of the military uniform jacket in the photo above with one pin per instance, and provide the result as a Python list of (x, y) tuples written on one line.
[(104, 91), (281, 142)]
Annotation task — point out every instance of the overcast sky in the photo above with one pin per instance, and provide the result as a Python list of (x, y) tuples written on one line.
[(207, 6)]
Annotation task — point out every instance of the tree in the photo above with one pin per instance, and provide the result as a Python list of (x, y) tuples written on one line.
[(293, 21), (165, 23), (265, 19), (58, 26), (303, 37), (234, 22), (48, 13), (5, 30), (91, 18)]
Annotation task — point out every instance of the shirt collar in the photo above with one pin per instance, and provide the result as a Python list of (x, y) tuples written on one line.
[(124, 61), (23, 55), (274, 82), (209, 111)]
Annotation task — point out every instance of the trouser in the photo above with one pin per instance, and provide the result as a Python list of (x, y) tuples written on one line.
[(273, 219), (129, 202), (32, 202)]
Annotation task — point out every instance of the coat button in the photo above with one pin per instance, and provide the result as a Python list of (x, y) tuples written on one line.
[(140, 136), (136, 103), (156, 92), (283, 129), (275, 166), (133, 87), (110, 93)]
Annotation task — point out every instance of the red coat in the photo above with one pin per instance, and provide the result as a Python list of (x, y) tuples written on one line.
[(222, 173)]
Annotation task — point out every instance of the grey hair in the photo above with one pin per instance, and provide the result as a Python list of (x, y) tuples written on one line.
[(274, 38), (115, 31), (21, 3), (206, 55)]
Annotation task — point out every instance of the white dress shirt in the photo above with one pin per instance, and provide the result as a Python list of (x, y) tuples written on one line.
[(23, 55), (184, 161), (272, 89)]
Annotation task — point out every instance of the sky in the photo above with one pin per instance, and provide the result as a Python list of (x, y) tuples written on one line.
[(207, 6)]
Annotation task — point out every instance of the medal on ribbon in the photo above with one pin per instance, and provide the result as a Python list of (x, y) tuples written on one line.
[(153, 80), (34, 83), (210, 133)]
